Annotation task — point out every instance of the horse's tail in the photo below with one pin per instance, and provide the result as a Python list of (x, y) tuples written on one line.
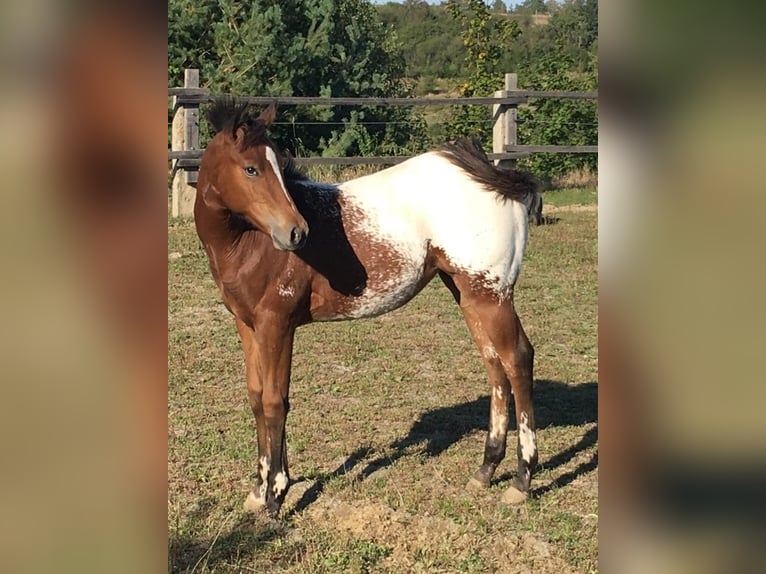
[(514, 184)]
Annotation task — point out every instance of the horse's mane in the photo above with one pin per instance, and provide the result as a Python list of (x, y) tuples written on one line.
[(469, 156), (226, 114)]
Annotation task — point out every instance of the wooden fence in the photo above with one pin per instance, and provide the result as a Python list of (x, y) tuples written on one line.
[(186, 151)]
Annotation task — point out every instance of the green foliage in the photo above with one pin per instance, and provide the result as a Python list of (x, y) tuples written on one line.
[(532, 7), (352, 48), (484, 37), (557, 56), (300, 48), (561, 64), (572, 29), (429, 37), (499, 7)]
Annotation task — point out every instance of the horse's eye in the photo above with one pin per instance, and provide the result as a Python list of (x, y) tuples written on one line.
[(250, 170)]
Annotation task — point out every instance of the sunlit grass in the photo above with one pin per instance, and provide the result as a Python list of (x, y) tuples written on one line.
[(404, 397)]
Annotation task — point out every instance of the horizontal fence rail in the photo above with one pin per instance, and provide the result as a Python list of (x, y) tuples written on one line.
[(202, 96), (191, 158), (186, 150)]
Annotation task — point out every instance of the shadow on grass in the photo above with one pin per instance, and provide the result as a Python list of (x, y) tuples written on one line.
[(241, 541), (556, 404)]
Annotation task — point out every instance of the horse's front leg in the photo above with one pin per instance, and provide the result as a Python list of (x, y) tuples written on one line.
[(268, 355)]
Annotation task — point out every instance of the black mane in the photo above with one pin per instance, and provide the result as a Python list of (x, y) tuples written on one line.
[(469, 156), (226, 114)]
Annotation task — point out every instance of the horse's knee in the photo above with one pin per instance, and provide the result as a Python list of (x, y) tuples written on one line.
[(522, 359), (276, 406), (255, 398)]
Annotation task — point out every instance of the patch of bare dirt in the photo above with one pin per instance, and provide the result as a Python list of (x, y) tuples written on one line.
[(409, 535)]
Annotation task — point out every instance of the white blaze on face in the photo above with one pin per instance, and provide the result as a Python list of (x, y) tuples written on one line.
[(272, 159), (526, 439)]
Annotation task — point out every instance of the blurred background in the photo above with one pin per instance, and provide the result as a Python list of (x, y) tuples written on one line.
[(681, 275), (83, 406)]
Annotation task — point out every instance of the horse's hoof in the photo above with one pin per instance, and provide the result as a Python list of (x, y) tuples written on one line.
[(253, 503), (476, 484), (513, 496)]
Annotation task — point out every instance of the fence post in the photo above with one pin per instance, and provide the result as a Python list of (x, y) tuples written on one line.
[(185, 136), (504, 122)]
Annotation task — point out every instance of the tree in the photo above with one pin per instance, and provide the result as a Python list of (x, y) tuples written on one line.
[(429, 37), (575, 27), (306, 48), (532, 7), (484, 37), (555, 121)]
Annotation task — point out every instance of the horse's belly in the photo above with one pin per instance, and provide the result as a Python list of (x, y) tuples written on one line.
[(388, 287), (379, 299)]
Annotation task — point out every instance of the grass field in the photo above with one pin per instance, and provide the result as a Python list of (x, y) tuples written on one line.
[(387, 423)]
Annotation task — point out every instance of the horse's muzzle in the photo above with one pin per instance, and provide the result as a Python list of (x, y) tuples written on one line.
[(294, 239), (298, 237)]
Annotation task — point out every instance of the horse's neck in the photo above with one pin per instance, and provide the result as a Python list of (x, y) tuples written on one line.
[(222, 237)]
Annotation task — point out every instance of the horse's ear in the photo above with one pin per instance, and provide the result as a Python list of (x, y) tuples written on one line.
[(210, 196), (268, 115)]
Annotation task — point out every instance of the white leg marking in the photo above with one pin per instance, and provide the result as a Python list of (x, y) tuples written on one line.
[(498, 393), (498, 424), (280, 483), (265, 467), (526, 439)]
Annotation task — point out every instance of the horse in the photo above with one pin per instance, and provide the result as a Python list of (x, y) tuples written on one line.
[(285, 251)]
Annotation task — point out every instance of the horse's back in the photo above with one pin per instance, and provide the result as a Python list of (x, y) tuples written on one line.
[(429, 200)]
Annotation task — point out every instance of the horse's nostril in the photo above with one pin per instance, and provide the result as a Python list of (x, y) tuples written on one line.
[(297, 236)]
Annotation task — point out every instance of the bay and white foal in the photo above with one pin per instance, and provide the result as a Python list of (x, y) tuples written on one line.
[(285, 251)]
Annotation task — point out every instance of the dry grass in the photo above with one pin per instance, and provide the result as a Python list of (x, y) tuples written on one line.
[(583, 177), (387, 424)]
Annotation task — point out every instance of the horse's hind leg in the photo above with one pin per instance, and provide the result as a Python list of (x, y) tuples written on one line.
[(507, 354)]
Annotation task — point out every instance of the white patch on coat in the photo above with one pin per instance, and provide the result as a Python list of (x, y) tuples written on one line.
[(498, 392), (382, 297), (280, 483), (526, 439), (286, 291), (489, 352), (426, 201), (429, 199)]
